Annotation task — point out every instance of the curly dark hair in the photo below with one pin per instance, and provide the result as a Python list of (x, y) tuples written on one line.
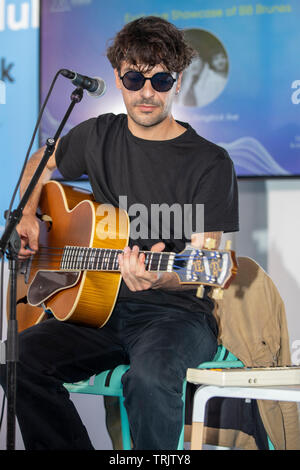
[(150, 41)]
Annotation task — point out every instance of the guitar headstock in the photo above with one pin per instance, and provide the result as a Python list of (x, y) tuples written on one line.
[(206, 267)]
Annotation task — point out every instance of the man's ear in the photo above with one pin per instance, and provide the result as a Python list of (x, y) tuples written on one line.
[(117, 78)]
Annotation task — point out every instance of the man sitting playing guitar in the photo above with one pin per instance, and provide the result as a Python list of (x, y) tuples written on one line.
[(158, 326)]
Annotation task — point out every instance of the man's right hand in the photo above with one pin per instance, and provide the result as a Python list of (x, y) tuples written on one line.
[(28, 230)]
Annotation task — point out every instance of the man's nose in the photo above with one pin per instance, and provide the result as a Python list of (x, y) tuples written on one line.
[(147, 89)]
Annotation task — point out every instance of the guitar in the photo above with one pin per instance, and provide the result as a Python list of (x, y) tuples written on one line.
[(75, 274)]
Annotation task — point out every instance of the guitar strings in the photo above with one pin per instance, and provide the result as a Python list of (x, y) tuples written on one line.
[(176, 255), (53, 251), (42, 262)]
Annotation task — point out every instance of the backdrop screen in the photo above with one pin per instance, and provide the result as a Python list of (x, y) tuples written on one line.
[(243, 92)]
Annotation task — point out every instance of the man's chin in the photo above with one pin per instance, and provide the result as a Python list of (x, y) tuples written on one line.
[(147, 121)]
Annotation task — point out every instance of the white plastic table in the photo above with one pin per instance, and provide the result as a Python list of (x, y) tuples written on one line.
[(205, 392)]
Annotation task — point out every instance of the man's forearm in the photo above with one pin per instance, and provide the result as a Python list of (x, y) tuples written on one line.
[(33, 163), (170, 281)]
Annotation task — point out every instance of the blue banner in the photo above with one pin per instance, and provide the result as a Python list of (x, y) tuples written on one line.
[(19, 89), (246, 97)]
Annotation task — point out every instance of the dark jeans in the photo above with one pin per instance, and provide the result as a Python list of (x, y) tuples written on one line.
[(159, 342)]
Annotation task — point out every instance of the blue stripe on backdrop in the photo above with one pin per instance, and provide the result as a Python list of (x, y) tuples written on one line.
[(19, 98)]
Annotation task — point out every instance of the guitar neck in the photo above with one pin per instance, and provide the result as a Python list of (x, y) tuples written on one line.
[(76, 258), (203, 266)]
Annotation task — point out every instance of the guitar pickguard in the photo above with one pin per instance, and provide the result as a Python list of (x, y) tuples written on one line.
[(47, 283)]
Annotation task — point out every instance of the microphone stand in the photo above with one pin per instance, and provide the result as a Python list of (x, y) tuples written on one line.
[(10, 243)]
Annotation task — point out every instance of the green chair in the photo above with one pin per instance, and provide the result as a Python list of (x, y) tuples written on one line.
[(223, 359), (109, 383)]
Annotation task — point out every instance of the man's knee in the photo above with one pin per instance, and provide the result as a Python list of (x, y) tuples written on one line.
[(152, 377)]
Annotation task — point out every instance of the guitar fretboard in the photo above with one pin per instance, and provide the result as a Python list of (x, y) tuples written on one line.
[(77, 258)]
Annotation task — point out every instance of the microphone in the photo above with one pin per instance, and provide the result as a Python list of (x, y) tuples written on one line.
[(94, 86)]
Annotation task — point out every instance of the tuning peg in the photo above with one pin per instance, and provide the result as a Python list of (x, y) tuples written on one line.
[(228, 245), (210, 244), (200, 292), (217, 293)]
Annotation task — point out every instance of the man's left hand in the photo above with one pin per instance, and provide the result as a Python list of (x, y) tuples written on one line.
[(133, 269)]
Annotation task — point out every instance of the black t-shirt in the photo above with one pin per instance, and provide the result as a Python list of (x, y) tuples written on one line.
[(144, 176)]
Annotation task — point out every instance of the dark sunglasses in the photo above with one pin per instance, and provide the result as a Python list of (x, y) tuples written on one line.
[(161, 81)]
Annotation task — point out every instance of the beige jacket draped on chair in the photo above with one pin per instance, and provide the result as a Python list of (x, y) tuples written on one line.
[(252, 325)]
